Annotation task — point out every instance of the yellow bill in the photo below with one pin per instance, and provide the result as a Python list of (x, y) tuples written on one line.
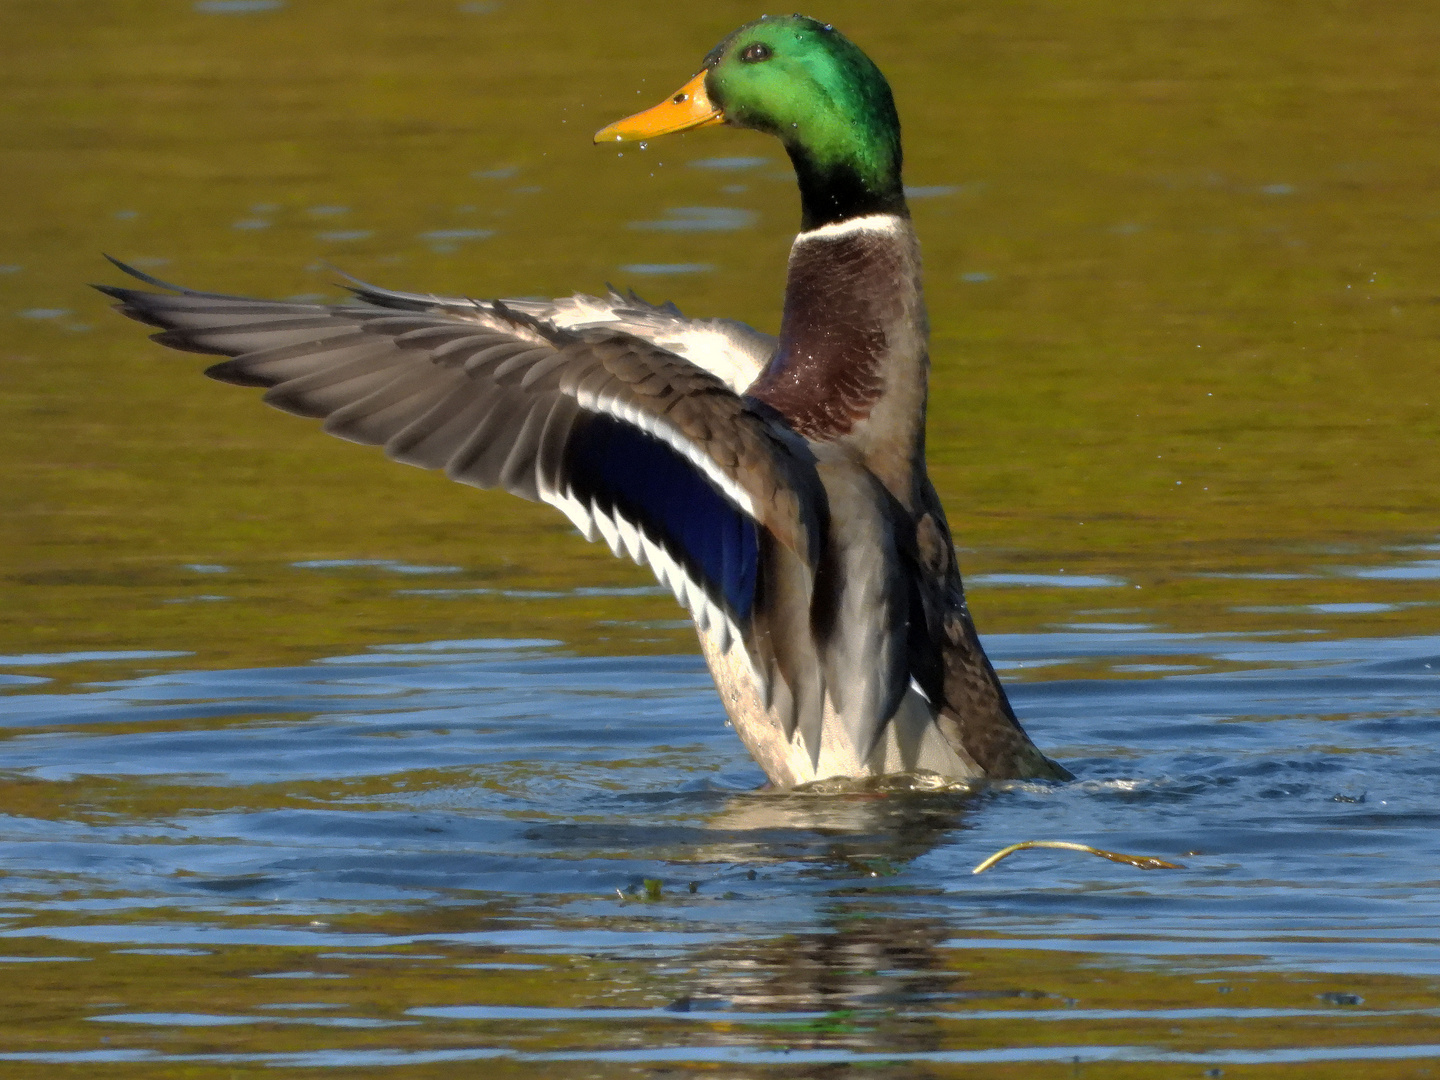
[(687, 108)]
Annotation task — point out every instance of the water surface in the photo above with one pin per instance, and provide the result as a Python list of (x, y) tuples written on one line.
[(313, 761)]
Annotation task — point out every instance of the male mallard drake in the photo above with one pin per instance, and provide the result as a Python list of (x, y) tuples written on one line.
[(777, 486)]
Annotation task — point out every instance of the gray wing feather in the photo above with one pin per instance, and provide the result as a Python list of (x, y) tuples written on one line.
[(292, 361), (491, 393), (317, 360), (729, 349), (321, 392), (254, 336), (432, 438), (867, 666), (372, 419)]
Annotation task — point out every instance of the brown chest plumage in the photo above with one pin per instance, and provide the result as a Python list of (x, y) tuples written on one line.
[(840, 300)]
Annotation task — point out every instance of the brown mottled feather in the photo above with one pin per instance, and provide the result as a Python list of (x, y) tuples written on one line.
[(826, 375), (973, 711)]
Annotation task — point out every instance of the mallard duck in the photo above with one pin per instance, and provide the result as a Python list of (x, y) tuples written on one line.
[(776, 485)]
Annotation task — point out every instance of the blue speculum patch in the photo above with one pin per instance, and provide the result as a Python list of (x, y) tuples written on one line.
[(645, 481)]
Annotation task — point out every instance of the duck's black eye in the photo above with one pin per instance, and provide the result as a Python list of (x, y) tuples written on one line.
[(756, 52)]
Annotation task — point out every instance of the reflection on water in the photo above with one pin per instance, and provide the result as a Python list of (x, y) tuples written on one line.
[(661, 269), (699, 219), (458, 849), (311, 761)]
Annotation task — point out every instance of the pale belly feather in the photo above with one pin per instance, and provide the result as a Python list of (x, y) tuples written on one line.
[(911, 741)]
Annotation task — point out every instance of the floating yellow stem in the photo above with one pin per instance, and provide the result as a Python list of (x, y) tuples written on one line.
[(1144, 862)]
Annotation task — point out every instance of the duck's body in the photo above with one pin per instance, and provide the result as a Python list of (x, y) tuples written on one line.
[(778, 486)]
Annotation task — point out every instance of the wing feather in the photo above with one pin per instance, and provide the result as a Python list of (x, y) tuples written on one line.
[(633, 442), (322, 392), (725, 348), (478, 460), (272, 366), (434, 437), (372, 418), (227, 340)]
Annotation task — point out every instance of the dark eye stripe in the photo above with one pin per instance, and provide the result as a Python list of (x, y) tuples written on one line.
[(756, 52)]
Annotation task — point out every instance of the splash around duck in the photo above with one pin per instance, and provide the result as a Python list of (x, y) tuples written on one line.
[(776, 485)]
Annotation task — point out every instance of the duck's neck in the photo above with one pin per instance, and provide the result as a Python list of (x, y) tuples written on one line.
[(839, 190), (852, 363)]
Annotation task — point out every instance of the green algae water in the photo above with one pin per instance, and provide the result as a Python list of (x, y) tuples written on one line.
[(315, 761)]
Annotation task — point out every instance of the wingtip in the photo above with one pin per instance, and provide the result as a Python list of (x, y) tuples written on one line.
[(356, 285), (148, 279), (382, 297), (876, 738), (813, 749), (140, 275), (1056, 771), (228, 371), (132, 303), (183, 341)]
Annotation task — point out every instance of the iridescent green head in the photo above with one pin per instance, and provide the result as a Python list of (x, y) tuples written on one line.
[(808, 85)]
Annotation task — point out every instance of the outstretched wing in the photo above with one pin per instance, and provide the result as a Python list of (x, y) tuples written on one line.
[(633, 443), (729, 349)]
